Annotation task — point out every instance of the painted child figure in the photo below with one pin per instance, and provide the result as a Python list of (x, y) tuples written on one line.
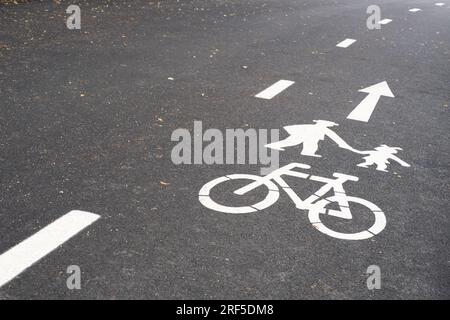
[(380, 157)]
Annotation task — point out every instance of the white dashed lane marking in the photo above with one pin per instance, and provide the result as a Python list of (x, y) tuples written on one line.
[(274, 89), (414, 10), (346, 43), (20, 257), (385, 21)]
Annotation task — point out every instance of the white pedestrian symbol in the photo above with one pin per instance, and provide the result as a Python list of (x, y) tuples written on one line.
[(309, 135), (380, 157)]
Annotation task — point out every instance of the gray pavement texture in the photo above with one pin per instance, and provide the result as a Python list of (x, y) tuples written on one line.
[(86, 118)]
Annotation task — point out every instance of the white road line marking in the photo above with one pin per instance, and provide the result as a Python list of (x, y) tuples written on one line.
[(414, 10), (439, 4), (274, 89), (346, 43), (20, 257), (385, 21)]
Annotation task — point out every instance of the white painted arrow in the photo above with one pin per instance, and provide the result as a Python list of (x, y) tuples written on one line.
[(364, 110)]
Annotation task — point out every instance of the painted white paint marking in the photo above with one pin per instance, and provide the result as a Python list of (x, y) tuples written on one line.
[(414, 10), (439, 4), (381, 157), (346, 43), (385, 21), (310, 136), (364, 110), (20, 257), (274, 89), (315, 204)]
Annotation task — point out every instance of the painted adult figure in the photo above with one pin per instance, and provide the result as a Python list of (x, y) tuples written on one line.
[(310, 135)]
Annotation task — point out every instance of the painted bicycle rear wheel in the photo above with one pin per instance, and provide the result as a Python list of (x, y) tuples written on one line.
[(204, 195), (318, 210)]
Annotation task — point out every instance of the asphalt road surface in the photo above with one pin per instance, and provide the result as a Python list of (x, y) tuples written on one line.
[(86, 118)]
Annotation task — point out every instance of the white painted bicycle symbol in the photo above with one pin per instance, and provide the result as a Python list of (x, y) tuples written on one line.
[(315, 204)]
